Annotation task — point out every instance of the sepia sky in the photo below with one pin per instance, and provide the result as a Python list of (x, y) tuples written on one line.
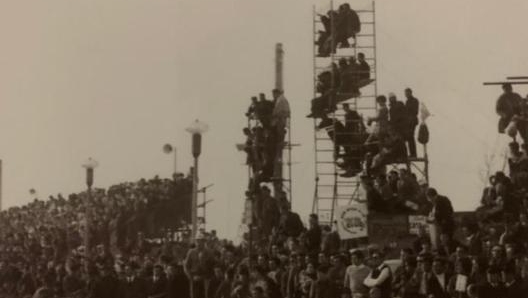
[(115, 80)]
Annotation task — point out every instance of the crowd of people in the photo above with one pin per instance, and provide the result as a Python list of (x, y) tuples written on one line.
[(265, 135), (339, 27), (392, 136), (340, 83), (49, 239)]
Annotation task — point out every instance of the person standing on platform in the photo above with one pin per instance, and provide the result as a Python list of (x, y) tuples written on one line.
[(440, 218), (411, 106)]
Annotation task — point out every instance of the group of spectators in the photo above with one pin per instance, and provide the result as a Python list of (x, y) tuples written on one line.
[(45, 240), (339, 26), (473, 261), (265, 135), (391, 138), (340, 83)]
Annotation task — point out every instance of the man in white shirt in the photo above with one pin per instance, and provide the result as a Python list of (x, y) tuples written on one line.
[(356, 274), (281, 113)]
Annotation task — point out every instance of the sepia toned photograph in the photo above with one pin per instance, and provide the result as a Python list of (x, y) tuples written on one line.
[(263, 149)]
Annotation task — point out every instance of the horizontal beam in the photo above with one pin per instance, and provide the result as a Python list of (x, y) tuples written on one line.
[(506, 82), (517, 78)]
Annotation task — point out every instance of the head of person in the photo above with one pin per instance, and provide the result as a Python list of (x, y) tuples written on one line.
[(322, 259), (381, 100), (253, 99), (408, 92), (274, 264), (343, 63), (218, 272), (507, 87), (262, 97), (276, 93), (431, 194), (346, 107), (439, 265), (463, 266), (361, 57), (357, 257), (262, 260), (376, 257), (405, 253), (392, 98), (425, 262), (497, 252), (313, 220)]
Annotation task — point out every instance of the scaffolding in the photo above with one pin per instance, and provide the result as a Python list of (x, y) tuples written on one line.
[(333, 187)]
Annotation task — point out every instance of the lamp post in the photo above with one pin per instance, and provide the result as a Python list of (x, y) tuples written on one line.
[(89, 165), (196, 129), (168, 149)]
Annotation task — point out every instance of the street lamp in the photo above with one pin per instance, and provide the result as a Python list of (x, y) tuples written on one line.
[(89, 165), (196, 129), (168, 149)]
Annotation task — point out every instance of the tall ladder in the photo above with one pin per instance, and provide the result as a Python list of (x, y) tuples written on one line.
[(332, 190)]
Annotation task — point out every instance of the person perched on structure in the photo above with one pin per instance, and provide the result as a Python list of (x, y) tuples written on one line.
[(512, 117), (411, 107), (339, 27)]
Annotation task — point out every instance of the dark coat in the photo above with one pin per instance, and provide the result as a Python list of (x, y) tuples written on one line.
[(444, 214), (135, 289)]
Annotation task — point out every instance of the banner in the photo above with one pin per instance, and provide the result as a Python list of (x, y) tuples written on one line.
[(417, 221), (352, 221)]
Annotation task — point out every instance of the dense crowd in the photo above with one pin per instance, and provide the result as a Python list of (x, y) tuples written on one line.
[(50, 239)]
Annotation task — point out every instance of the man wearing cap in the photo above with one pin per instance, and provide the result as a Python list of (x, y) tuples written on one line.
[(356, 274)]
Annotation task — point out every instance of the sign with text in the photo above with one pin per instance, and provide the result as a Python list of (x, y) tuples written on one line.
[(352, 221), (416, 222)]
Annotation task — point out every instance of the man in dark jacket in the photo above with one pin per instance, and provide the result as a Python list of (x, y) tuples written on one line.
[(290, 223), (440, 218), (411, 106), (313, 236), (508, 105), (397, 116)]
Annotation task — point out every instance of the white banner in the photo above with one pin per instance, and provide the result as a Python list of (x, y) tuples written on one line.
[(352, 221), (417, 221)]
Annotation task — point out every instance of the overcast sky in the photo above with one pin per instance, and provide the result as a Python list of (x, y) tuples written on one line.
[(115, 80)]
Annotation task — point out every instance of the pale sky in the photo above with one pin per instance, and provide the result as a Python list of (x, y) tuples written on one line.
[(115, 80)]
